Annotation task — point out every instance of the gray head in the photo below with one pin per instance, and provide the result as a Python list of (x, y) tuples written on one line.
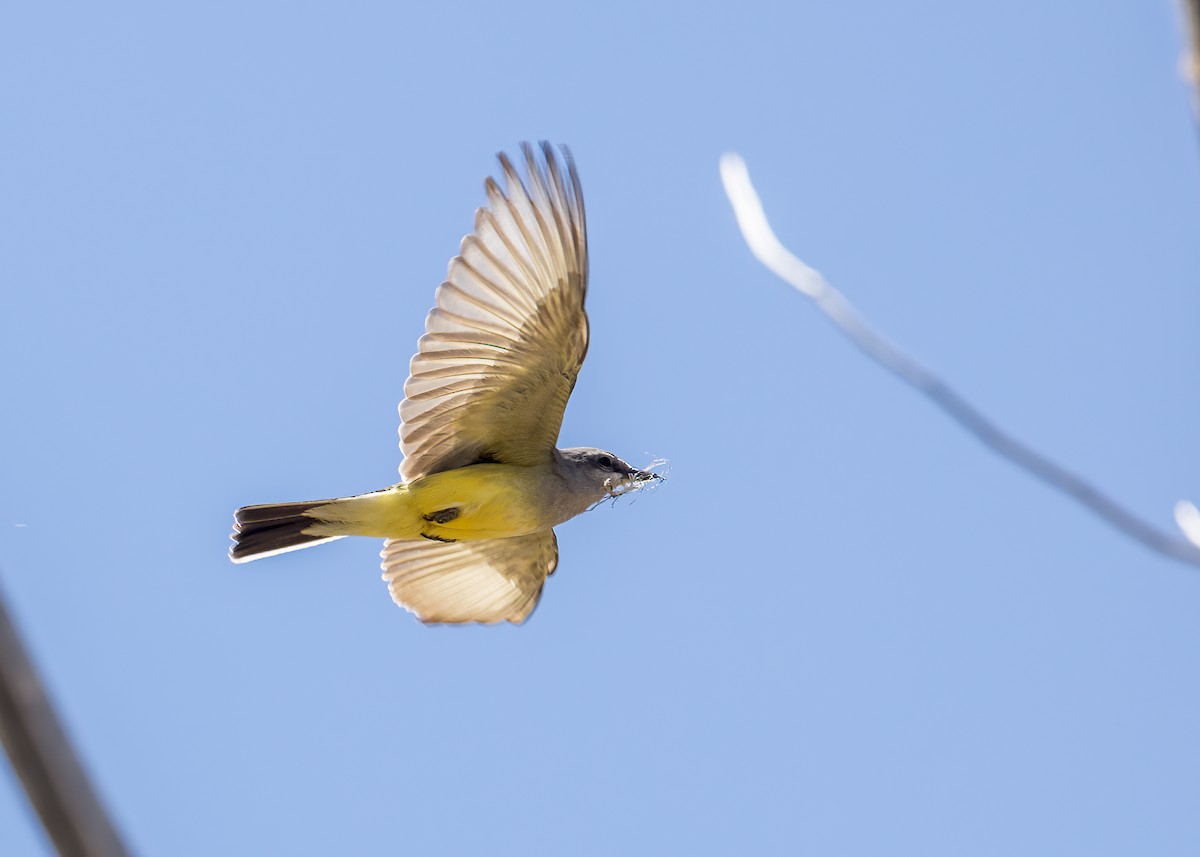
[(601, 473)]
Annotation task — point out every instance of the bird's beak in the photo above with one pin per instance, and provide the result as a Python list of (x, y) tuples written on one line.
[(630, 480)]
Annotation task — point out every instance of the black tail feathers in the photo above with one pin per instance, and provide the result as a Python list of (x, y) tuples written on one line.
[(260, 531)]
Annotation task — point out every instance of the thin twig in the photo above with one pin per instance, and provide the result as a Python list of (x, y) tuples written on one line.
[(44, 760), (768, 250), (1189, 64)]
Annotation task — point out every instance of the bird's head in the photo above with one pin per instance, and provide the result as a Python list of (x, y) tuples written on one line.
[(602, 473)]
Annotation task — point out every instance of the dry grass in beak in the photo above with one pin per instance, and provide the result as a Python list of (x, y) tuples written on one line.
[(640, 480)]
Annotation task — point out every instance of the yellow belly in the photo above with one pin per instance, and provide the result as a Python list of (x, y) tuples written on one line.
[(483, 501)]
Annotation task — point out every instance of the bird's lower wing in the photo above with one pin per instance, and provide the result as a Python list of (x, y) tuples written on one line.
[(488, 580)]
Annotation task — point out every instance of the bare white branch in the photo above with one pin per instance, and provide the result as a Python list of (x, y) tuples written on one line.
[(770, 251), (1187, 516)]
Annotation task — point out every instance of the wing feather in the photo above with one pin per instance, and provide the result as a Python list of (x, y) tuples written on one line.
[(490, 580), (508, 334)]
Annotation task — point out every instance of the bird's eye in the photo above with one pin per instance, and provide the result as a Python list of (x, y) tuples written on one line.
[(605, 462)]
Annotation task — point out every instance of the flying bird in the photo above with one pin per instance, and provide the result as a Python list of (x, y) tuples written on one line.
[(470, 526)]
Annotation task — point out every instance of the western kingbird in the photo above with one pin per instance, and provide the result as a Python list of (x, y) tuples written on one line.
[(469, 527)]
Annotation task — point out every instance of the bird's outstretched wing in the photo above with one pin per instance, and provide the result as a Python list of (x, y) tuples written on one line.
[(505, 341), (487, 581)]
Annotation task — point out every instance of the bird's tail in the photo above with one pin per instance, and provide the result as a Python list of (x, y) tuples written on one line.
[(275, 528)]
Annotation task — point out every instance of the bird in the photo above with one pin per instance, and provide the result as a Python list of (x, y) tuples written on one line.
[(469, 528)]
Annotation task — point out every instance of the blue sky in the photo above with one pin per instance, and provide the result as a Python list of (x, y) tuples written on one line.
[(840, 628)]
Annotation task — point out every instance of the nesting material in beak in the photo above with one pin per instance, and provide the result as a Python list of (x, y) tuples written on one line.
[(637, 480)]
